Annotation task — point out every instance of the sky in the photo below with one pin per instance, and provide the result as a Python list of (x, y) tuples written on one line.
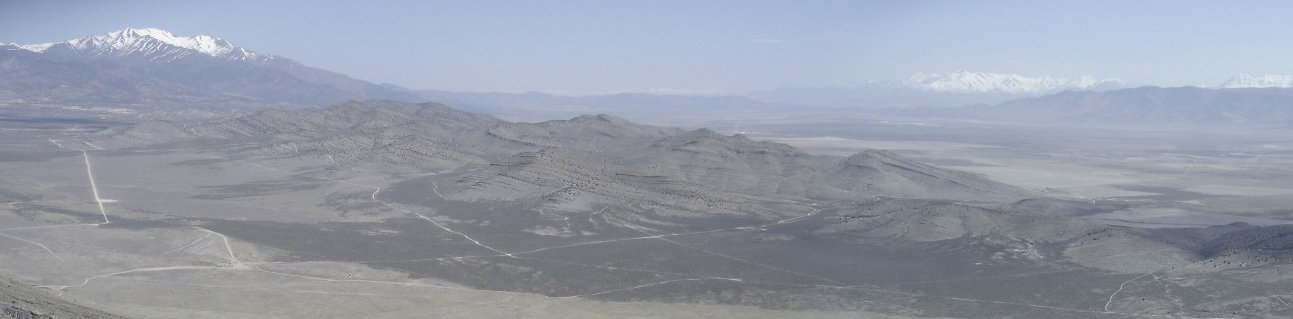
[(716, 47)]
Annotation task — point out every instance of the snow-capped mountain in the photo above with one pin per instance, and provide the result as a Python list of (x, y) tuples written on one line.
[(1244, 80), (970, 82), (154, 68), (155, 44)]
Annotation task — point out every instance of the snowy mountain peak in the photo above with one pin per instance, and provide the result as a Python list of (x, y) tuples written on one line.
[(1244, 80), (156, 44), (971, 82), (34, 47)]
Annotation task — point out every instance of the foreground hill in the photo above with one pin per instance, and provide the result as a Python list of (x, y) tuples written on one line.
[(596, 207), (651, 107), (432, 136)]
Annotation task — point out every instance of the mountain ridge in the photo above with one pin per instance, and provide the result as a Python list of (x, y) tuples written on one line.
[(978, 82), (1237, 107), (643, 107), (431, 135), (154, 71), (940, 90), (152, 42)]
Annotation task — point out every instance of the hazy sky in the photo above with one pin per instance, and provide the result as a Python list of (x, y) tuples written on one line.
[(708, 46)]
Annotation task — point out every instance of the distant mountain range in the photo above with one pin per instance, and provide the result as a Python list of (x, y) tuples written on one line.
[(157, 70), (968, 82), (1244, 80), (936, 90), (1246, 100), (1243, 101), (1181, 106)]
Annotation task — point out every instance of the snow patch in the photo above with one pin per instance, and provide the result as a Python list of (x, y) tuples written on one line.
[(36, 47), (971, 82), (159, 44), (1244, 80)]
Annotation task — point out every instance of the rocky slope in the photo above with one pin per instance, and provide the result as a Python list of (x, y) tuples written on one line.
[(22, 301), (596, 162)]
